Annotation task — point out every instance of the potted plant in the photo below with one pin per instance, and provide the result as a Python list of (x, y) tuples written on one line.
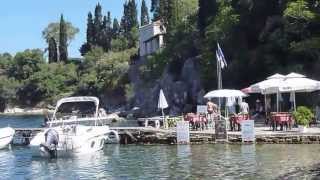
[(303, 116)]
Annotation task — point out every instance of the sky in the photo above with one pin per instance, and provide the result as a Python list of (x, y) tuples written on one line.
[(22, 21)]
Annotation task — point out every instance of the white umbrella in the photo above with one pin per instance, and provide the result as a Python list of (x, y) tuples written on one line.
[(225, 93), (293, 83), (267, 87), (298, 83), (162, 104), (271, 81)]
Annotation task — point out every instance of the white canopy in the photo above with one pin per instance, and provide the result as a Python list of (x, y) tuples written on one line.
[(294, 82), (78, 99), (271, 81), (225, 93)]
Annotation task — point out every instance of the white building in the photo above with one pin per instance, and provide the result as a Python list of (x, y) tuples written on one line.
[(151, 38)]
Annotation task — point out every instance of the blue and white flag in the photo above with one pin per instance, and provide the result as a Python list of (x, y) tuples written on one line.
[(219, 60), (220, 57)]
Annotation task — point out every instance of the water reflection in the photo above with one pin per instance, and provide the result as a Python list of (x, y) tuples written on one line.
[(216, 161)]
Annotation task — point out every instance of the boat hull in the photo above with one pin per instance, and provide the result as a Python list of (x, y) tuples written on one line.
[(85, 140), (6, 136)]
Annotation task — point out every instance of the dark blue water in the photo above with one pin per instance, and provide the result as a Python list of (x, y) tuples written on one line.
[(21, 121), (217, 161)]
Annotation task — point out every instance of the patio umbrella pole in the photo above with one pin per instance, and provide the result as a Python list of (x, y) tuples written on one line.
[(265, 105), (277, 101), (294, 101), (164, 123)]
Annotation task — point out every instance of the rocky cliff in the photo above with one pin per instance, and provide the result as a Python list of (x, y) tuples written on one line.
[(182, 93)]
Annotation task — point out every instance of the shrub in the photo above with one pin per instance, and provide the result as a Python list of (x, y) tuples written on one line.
[(303, 115)]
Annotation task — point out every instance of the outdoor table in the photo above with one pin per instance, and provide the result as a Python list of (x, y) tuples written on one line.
[(284, 119), (235, 120), (197, 121)]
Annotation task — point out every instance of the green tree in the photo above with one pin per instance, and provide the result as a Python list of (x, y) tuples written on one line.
[(63, 46), (222, 25), (53, 30), (155, 9), (119, 44), (207, 11), (90, 36), (97, 23), (129, 23), (299, 10), (5, 60), (25, 64), (115, 28), (53, 51), (103, 71), (144, 14), (90, 29), (53, 80), (8, 90)]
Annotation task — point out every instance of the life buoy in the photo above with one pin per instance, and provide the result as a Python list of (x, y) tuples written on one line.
[(157, 124)]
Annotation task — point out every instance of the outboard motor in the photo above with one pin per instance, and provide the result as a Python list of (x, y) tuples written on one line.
[(51, 142)]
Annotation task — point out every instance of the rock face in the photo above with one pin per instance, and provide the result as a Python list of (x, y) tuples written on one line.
[(182, 95)]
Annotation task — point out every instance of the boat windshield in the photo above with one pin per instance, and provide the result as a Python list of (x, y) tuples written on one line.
[(76, 109)]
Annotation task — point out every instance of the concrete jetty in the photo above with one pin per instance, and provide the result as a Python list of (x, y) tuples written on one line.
[(150, 135)]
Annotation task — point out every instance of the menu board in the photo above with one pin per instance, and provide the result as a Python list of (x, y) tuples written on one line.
[(221, 130), (201, 109), (247, 130), (183, 132)]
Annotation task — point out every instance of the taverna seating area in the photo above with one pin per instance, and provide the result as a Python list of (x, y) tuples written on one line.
[(272, 87)]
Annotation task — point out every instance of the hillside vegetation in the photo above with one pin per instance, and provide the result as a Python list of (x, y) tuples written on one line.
[(258, 38)]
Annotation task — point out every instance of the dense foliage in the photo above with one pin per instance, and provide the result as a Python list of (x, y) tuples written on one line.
[(27, 79), (258, 38)]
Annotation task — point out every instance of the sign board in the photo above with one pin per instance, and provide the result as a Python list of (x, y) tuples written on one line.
[(221, 130), (201, 109), (183, 132), (247, 130)]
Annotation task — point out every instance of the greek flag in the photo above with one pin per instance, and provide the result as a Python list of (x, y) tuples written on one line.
[(220, 57)]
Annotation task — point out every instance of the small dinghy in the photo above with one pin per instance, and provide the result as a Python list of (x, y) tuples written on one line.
[(6, 136)]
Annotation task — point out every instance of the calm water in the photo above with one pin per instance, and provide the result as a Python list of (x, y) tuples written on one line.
[(160, 161)]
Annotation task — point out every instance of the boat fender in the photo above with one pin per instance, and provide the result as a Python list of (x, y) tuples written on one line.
[(113, 137)]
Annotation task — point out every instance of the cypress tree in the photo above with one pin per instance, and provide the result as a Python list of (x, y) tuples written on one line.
[(90, 29), (124, 24), (133, 14), (115, 28), (86, 47), (53, 52), (108, 20), (104, 23), (144, 14), (155, 9), (106, 33), (63, 46), (97, 23), (207, 11)]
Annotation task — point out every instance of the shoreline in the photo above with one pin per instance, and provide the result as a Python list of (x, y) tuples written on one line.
[(24, 111)]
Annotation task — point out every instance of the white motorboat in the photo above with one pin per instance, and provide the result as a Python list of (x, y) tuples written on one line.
[(6, 136), (74, 129)]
